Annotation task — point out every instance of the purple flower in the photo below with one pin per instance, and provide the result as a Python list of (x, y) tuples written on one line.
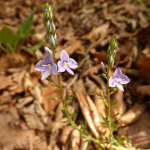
[(118, 79), (47, 66), (66, 63)]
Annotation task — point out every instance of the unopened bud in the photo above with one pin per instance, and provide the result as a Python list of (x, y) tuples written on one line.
[(47, 36), (52, 40), (103, 66), (112, 60), (48, 23), (44, 18), (53, 27), (48, 50)]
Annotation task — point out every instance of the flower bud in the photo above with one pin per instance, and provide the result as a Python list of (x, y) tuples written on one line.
[(111, 60), (52, 40), (48, 50), (48, 23), (53, 27), (47, 36), (103, 66), (44, 18)]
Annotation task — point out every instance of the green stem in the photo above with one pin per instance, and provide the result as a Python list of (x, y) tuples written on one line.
[(108, 101), (76, 127), (144, 6), (4, 49)]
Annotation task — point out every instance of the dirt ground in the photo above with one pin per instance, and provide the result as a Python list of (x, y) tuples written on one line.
[(29, 119)]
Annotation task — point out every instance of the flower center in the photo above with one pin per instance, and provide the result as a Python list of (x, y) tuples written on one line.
[(65, 64), (49, 66), (115, 79)]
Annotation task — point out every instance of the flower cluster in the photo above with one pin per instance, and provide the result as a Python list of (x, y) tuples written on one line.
[(48, 66), (48, 22)]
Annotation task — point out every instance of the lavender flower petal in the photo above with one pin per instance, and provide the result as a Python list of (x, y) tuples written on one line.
[(112, 83), (48, 59), (61, 67), (45, 74), (70, 71), (124, 79), (120, 87), (117, 72), (64, 56), (39, 66), (72, 63), (54, 70)]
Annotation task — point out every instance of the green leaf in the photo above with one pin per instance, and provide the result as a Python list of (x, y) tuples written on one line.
[(7, 37), (115, 102), (103, 123), (104, 75), (64, 121), (114, 90), (89, 143), (55, 99), (36, 46), (25, 26), (75, 115), (113, 106), (112, 42)]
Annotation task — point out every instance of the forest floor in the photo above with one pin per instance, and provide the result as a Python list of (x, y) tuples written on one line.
[(29, 119)]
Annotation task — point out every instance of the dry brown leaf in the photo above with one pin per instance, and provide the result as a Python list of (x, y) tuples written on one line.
[(86, 111), (16, 89), (100, 105), (17, 138), (27, 83), (65, 134), (24, 101), (143, 89), (5, 97), (4, 107), (90, 71), (101, 56), (5, 82), (143, 64), (83, 144), (31, 118), (94, 112), (50, 91), (13, 60), (76, 45), (138, 132), (58, 112), (97, 31), (36, 93), (132, 115), (75, 140)]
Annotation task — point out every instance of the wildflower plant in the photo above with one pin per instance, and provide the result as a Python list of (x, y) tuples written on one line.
[(48, 65)]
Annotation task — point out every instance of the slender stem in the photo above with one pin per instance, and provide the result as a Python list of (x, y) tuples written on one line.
[(4, 49), (144, 6), (108, 101)]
